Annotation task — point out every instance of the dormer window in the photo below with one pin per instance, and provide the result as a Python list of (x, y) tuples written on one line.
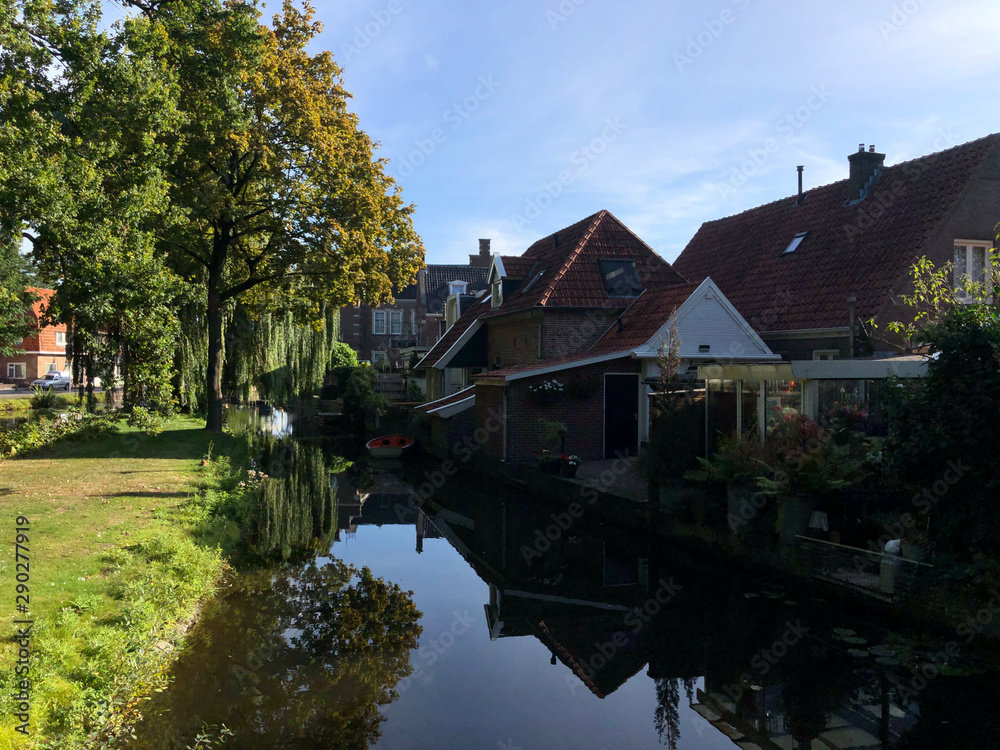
[(620, 278), (973, 267), (456, 287), (496, 293), (796, 241)]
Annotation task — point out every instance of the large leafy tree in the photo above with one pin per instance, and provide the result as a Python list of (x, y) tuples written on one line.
[(279, 188), (87, 186)]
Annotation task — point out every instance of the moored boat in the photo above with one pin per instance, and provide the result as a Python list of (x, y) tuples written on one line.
[(388, 446)]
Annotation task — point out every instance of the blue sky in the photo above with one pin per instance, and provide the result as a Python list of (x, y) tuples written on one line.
[(510, 120)]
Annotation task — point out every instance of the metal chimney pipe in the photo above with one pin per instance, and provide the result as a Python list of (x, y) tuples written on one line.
[(799, 168)]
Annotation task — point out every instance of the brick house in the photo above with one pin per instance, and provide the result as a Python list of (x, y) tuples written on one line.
[(40, 353), (587, 308), (416, 319), (810, 271)]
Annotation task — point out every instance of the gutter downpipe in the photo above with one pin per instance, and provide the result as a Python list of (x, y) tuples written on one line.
[(504, 459)]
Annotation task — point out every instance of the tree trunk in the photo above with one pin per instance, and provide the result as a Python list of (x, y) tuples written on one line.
[(215, 351)]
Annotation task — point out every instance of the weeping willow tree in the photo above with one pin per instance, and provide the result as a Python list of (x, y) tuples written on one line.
[(279, 357)]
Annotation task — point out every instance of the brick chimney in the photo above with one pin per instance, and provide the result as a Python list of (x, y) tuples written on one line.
[(484, 259), (864, 168)]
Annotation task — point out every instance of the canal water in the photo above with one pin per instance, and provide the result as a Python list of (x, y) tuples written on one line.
[(478, 617)]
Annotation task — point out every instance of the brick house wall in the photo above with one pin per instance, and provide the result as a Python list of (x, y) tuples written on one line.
[(512, 341), (41, 351), (566, 332), (489, 400), (584, 419)]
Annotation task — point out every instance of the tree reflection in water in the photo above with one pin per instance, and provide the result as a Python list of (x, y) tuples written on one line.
[(667, 718), (297, 658)]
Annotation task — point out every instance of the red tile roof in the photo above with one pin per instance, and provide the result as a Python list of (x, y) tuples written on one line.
[(517, 267), (641, 321), (569, 272), (862, 250), (453, 334)]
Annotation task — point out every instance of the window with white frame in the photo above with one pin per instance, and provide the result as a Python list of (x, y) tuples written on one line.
[(378, 322), (16, 370), (395, 322), (51, 367), (825, 354), (379, 356), (60, 338), (497, 293), (973, 266)]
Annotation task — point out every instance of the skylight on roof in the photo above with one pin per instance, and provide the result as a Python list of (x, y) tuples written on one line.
[(620, 278), (796, 241), (532, 282)]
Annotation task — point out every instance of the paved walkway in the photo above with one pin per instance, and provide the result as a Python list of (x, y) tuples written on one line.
[(614, 476)]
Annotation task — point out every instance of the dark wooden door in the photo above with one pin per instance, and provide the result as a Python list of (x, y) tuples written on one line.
[(621, 415)]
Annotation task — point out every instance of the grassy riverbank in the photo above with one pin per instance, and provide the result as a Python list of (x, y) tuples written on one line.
[(119, 561)]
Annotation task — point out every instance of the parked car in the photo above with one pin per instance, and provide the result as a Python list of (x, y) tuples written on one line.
[(55, 379)]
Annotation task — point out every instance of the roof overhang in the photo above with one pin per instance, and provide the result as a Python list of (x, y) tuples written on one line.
[(859, 369), (456, 407), (809, 333), (834, 369), (545, 370), (444, 359), (744, 371)]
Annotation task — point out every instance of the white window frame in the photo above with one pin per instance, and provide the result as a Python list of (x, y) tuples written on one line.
[(12, 370), (395, 322), (379, 355), (970, 247), (51, 367), (60, 338), (497, 293), (826, 354), (379, 326)]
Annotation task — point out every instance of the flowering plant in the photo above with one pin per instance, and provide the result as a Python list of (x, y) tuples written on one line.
[(546, 387), (571, 460)]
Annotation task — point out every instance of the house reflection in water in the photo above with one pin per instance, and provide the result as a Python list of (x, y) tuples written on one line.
[(759, 668)]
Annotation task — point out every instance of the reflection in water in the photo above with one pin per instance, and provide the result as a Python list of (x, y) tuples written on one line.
[(298, 657), (261, 419), (297, 510), (305, 655)]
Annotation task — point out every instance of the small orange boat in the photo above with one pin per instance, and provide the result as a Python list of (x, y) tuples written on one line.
[(388, 446)]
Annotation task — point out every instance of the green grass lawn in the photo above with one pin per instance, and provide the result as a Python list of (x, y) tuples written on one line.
[(118, 558)]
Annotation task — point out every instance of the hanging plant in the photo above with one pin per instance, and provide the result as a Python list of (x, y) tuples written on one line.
[(546, 392)]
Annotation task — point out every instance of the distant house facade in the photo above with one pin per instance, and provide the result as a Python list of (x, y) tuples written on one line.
[(416, 319), (810, 271), (40, 353)]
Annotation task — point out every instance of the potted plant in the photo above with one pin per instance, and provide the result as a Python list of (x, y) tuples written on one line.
[(810, 467), (739, 462), (568, 466), (547, 392), (548, 461)]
